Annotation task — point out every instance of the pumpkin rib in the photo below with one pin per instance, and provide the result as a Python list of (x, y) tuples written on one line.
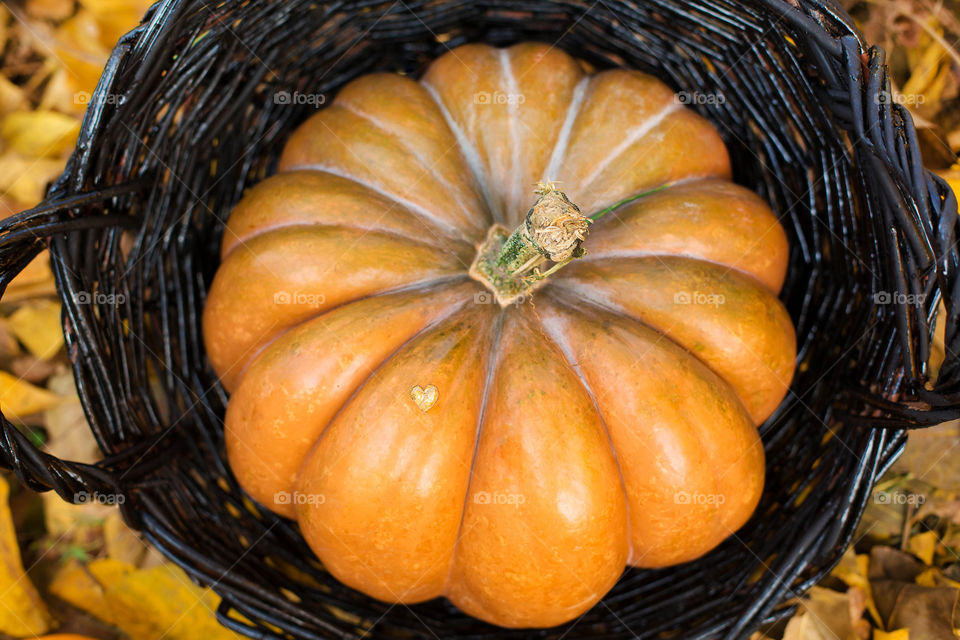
[(631, 255), (772, 329), (470, 154), (377, 445), (423, 212), (448, 250), (563, 346), (506, 70), (491, 364), (707, 194), (430, 167), (442, 240), (632, 137), (563, 137), (571, 294), (255, 353), (373, 373), (377, 324), (697, 431)]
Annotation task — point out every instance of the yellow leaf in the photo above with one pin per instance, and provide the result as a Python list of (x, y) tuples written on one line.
[(39, 133), (25, 179), (50, 9), (22, 612), (84, 586), (923, 546), (19, 398), (11, 96), (122, 542), (852, 569), (37, 325), (77, 45), (115, 17), (899, 634), (34, 281), (144, 603), (69, 433)]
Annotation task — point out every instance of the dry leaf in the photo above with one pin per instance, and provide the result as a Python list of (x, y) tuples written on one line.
[(25, 178), (122, 542), (11, 96), (69, 433), (923, 545), (22, 612), (19, 398), (37, 325), (39, 133), (899, 634), (34, 281), (144, 603)]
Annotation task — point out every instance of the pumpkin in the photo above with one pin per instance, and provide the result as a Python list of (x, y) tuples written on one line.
[(498, 333)]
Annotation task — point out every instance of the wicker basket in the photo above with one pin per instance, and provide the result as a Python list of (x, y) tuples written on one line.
[(186, 117)]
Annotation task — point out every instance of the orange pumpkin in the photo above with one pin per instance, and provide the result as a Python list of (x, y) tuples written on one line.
[(444, 420)]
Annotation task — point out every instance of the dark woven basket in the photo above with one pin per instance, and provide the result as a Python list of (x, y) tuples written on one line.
[(185, 118)]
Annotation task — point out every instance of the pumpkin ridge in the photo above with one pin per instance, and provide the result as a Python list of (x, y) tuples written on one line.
[(563, 346), (631, 137), (470, 154), (395, 197), (506, 69), (702, 182), (563, 295), (563, 137), (631, 255), (411, 286), (437, 234), (430, 168), (488, 379), (373, 373), (460, 244), (695, 429)]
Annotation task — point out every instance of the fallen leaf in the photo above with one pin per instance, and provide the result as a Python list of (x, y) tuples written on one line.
[(19, 398), (122, 542), (25, 178), (144, 603), (899, 634), (22, 612), (41, 134), (37, 325), (923, 545), (69, 433)]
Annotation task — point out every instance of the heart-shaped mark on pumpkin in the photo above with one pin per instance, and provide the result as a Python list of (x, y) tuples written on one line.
[(424, 397)]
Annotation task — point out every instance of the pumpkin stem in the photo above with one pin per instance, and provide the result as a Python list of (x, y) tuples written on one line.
[(553, 231)]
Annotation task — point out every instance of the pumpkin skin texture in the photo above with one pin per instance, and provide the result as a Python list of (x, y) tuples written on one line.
[(608, 420)]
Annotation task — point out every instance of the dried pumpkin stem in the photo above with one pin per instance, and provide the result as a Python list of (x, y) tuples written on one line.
[(509, 262), (553, 231)]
